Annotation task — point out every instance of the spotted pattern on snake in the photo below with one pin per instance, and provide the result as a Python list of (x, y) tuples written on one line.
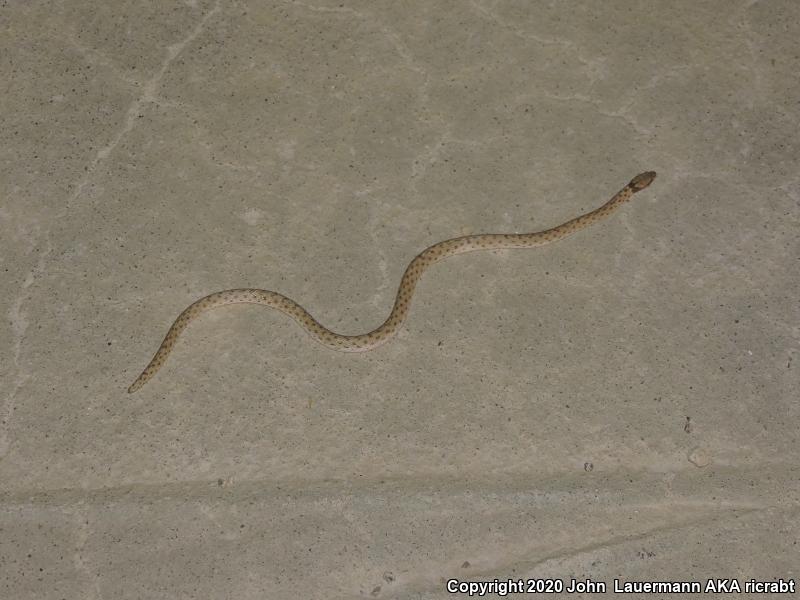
[(402, 303)]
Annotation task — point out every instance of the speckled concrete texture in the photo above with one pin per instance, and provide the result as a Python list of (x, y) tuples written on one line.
[(622, 404)]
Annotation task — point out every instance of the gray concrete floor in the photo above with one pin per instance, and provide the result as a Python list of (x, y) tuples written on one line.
[(622, 404)]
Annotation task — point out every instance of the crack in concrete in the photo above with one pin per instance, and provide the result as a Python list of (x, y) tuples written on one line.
[(148, 96), (78, 561), (569, 552), (545, 493), (19, 327), (525, 35), (16, 314)]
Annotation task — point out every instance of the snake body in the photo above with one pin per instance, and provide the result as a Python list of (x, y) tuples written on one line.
[(415, 269)]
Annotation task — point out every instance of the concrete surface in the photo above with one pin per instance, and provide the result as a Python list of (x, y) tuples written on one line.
[(622, 404)]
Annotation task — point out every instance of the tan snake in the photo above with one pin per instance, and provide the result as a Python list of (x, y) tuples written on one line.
[(415, 269)]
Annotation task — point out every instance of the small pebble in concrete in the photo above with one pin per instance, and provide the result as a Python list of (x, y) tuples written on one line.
[(699, 457)]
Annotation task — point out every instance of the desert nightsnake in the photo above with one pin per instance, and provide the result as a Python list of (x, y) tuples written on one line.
[(415, 269)]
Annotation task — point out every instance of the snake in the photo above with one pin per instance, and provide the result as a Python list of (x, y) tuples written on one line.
[(419, 264)]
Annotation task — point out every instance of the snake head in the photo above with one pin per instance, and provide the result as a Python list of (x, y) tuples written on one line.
[(642, 180)]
